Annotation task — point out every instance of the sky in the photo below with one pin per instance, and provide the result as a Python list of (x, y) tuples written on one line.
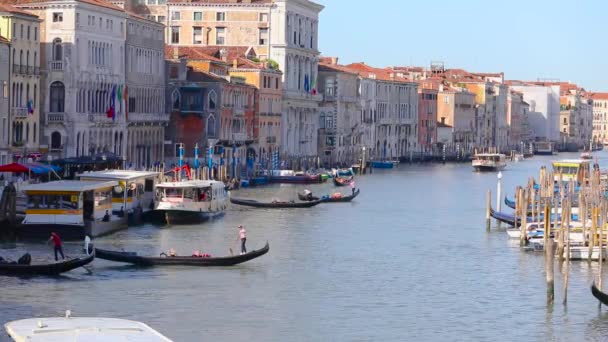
[(525, 39)]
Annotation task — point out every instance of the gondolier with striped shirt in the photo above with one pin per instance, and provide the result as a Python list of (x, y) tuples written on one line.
[(243, 237)]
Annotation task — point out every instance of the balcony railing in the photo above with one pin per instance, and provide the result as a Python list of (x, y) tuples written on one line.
[(239, 136), (238, 111), (19, 112), (148, 117), (56, 65), (54, 117)]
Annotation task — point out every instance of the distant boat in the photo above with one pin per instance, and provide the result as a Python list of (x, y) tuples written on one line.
[(586, 155), (191, 201), (80, 329), (543, 148), (386, 164), (489, 162), (274, 204)]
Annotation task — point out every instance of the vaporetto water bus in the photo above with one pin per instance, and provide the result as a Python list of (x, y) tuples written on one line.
[(191, 201), (73, 209), (134, 194)]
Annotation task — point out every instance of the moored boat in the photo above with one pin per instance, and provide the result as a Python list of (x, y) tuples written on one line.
[(80, 329), (191, 201), (378, 164), (489, 162), (597, 293), (274, 204), (291, 177), (543, 148), (72, 209), (167, 260)]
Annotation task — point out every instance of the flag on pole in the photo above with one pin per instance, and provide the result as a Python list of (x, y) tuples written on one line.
[(306, 84), (125, 95), (313, 85), (111, 112), (30, 107)]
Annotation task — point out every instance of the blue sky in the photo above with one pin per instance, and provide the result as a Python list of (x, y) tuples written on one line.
[(529, 39)]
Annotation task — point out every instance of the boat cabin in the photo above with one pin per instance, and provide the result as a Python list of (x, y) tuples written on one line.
[(173, 195), (570, 170), (135, 190), (76, 208), (489, 162)]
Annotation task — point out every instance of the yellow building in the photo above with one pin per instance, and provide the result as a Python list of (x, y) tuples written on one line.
[(268, 102), (22, 30)]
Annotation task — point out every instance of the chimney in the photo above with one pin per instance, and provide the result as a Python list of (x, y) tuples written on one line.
[(175, 52), (334, 60), (235, 63)]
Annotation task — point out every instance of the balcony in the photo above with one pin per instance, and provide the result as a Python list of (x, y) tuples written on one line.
[(271, 140), (100, 118), (239, 137), (148, 117), (54, 118), (238, 111), (56, 65), (19, 112)]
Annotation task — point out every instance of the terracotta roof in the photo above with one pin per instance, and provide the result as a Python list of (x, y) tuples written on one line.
[(101, 3), (599, 96), (228, 2), (367, 71), (7, 7), (190, 53), (335, 68)]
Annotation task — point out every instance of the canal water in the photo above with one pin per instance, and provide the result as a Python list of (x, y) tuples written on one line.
[(409, 259)]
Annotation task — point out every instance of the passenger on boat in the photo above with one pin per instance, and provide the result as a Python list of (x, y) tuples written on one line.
[(106, 217), (56, 244), (336, 195), (121, 213), (352, 186), (172, 253)]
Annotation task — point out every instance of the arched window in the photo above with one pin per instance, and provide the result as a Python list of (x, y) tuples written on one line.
[(35, 97), (27, 132), (57, 50), (34, 132), (27, 58), (20, 57), (211, 126), (212, 99), (57, 97), (175, 99), (78, 144)]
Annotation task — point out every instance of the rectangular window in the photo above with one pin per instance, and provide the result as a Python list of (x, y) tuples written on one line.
[(198, 16), (14, 30), (100, 22), (107, 24), (57, 17), (151, 2), (263, 36), (28, 32), (220, 35), (174, 34), (220, 16), (197, 35), (276, 83), (132, 104), (77, 18), (162, 2), (264, 17), (175, 15), (5, 89), (161, 18)]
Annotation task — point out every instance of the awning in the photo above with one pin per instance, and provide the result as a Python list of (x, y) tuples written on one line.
[(35, 168)]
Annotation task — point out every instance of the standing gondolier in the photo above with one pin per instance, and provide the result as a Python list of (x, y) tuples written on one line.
[(57, 245), (352, 186), (243, 238)]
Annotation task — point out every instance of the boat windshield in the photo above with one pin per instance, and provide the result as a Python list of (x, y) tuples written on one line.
[(51, 201), (173, 193), (204, 194), (565, 170)]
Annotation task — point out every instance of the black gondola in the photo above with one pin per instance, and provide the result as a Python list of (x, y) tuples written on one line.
[(343, 181), (597, 293), (343, 198), (14, 269), (274, 205), (133, 258)]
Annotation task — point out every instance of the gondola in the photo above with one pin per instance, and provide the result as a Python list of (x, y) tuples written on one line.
[(349, 198), (597, 293), (306, 198), (343, 181), (133, 258), (274, 205), (44, 269)]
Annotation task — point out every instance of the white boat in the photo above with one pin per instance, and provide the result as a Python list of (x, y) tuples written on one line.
[(191, 201), (586, 155), (543, 148), (489, 162), (70, 208), (134, 194), (80, 329)]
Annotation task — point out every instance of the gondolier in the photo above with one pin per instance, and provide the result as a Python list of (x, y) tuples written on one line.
[(352, 186), (57, 245), (243, 237)]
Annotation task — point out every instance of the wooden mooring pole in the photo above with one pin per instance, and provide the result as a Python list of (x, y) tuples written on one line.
[(549, 256), (488, 210)]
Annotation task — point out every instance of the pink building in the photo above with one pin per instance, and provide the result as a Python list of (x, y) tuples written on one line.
[(427, 117)]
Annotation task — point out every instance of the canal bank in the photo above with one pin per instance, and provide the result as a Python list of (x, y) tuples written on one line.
[(409, 259)]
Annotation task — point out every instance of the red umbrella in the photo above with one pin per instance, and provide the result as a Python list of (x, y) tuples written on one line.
[(13, 167)]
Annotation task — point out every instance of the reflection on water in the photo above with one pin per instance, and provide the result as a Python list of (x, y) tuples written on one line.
[(408, 260)]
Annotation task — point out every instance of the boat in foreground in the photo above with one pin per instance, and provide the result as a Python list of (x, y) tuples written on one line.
[(597, 293), (274, 204), (15, 269), (78, 329), (133, 258), (489, 162)]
